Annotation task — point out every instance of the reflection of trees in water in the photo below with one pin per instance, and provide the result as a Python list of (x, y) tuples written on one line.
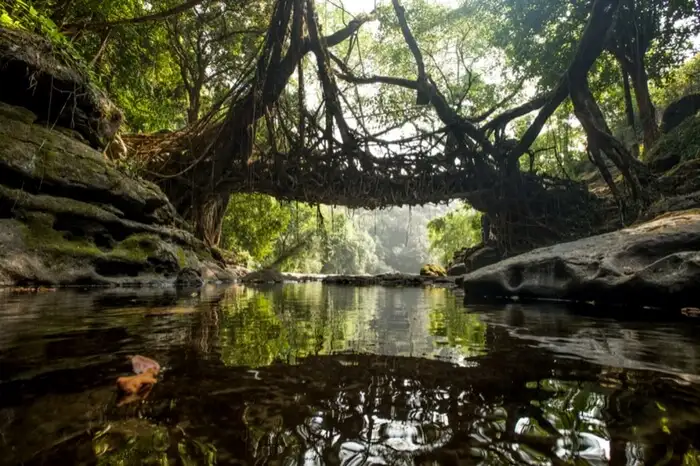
[(259, 326), (385, 421), (515, 400), (408, 411)]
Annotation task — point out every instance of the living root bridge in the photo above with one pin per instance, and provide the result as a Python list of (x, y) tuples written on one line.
[(303, 158)]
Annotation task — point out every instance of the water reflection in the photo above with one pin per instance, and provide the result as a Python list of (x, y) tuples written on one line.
[(320, 375), (291, 322)]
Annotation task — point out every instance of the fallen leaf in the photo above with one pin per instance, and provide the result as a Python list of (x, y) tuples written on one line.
[(141, 364), (134, 384)]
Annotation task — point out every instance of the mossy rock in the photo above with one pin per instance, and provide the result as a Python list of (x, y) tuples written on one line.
[(36, 252), (433, 270), (679, 145), (678, 111), (43, 161), (68, 217), (39, 235), (34, 73)]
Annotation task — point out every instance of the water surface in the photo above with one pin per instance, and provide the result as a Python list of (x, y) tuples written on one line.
[(322, 375)]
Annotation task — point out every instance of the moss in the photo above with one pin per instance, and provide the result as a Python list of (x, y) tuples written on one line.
[(136, 248), (683, 169), (181, 258), (54, 204), (681, 144), (433, 270), (39, 235), (203, 252)]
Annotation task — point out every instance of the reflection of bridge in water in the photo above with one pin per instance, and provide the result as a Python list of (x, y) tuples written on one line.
[(520, 397), (515, 400)]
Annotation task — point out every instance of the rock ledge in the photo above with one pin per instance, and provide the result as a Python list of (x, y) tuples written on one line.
[(656, 264)]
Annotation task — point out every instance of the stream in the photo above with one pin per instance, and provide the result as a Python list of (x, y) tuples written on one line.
[(313, 374)]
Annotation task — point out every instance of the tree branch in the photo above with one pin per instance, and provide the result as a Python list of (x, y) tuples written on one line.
[(506, 117), (589, 49), (446, 113), (72, 29), (501, 103)]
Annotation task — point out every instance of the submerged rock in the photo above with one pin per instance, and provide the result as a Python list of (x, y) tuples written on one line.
[(656, 263)]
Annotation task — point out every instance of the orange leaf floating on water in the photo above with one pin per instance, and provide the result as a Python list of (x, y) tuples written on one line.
[(141, 364), (137, 387), (135, 384)]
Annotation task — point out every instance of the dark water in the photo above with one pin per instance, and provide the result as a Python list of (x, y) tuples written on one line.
[(319, 375)]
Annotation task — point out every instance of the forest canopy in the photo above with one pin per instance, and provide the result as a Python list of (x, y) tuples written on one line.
[(510, 104)]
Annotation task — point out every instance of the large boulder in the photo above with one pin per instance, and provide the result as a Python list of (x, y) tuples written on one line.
[(50, 83), (487, 255), (68, 217), (457, 269), (189, 278), (678, 145), (656, 263), (679, 111)]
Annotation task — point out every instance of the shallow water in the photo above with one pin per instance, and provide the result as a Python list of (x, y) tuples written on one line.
[(312, 374)]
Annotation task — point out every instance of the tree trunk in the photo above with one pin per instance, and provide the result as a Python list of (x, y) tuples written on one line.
[(193, 109), (206, 218), (647, 111), (600, 139), (629, 111)]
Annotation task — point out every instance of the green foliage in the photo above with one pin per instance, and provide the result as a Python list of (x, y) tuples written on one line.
[(254, 222), (348, 250), (21, 14), (293, 235), (682, 81), (453, 231), (400, 235)]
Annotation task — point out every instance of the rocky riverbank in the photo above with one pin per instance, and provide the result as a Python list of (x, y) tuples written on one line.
[(67, 215), (387, 279), (656, 263)]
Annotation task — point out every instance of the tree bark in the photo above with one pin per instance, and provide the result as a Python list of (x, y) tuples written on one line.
[(600, 139), (198, 187), (647, 111), (194, 104), (629, 111), (206, 218)]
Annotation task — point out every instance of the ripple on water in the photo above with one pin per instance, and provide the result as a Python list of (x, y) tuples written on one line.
[(313, 374)]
